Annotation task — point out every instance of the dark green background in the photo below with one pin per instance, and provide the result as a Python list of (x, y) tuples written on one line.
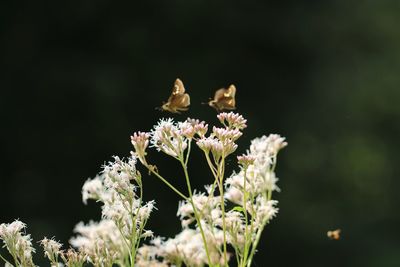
[(79, 77)]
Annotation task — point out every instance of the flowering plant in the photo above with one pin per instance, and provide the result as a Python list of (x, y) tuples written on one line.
[(232, 212)]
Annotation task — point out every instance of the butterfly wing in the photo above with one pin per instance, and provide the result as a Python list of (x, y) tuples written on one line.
[(225, 98), (229, 100), (177, 90), (178, 100)]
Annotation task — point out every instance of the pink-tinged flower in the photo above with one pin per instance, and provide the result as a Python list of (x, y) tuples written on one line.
[(226, 133), (207, 143), (232, 120), (229, 147), (192, 127), (200, 127), (186, 129), (140, 141), (246, 160), (218, 148)]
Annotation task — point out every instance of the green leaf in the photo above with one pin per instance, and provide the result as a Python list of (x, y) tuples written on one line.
[(238, 208)]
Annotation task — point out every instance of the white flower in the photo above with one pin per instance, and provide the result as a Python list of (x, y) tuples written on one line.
[(265, 148), (16, 240), (92, 189), (168, 138), (265, 210), (52, 249), (101, 241)]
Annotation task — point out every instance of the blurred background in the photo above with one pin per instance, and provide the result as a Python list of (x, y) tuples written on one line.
[(79, 77)]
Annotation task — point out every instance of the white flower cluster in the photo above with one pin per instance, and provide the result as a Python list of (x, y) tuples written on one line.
[(206, 226), (187, 247), (172, 138), (231, 213), (52, 250), (101, 242), (119, 188), (18, 244)]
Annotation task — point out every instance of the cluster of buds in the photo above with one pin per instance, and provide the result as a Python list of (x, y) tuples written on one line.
[(123, 211), (192, 128), (232, 120), (221, 141), (73, 258), (18, 244), (52, 250), (140, 141)]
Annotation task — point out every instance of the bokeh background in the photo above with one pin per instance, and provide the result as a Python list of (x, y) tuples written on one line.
[(80, 76)]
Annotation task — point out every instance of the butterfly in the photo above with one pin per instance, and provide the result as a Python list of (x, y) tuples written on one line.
[(178, 100), (224, 99), (335, 234)]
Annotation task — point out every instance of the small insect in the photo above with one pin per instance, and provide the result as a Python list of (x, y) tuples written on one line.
[(178, 100), (335, 234), (224, 99)]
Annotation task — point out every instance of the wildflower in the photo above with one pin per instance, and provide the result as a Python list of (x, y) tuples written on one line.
[(204, 205), (74, 258), (188, 247), (265, 148), (265, 210), (52, 249), (226, 133), (92, 189), (166, 137), (245, 160), (217, 147), (18, 244), (101, 241), (140, 141), (200, 127), (232, 120)]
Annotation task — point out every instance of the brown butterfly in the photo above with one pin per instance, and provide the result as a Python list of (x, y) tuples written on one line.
[(335, 234), (224, 99), (178, 100)]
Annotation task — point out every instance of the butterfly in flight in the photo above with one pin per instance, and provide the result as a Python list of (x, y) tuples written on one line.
[(224, 99), (178, 100), (335, 234)]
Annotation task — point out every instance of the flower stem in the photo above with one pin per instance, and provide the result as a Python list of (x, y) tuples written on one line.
[(221, 173), (151, 169), (1, 257), (246, 243), (196, 215)]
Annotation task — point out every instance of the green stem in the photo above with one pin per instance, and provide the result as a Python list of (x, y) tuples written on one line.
[(253, 249), (212, 168), (188, 151), (246, 243), (1, 257), (259, 232), (134, 236), (221, 171), (15, 257), (184, 166), (166, 182)]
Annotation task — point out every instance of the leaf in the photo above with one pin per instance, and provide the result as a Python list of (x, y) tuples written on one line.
[(238, 208)]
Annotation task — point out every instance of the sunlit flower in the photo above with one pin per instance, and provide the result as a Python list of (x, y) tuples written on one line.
[(232, 120), (140, 142), (167, 137)]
